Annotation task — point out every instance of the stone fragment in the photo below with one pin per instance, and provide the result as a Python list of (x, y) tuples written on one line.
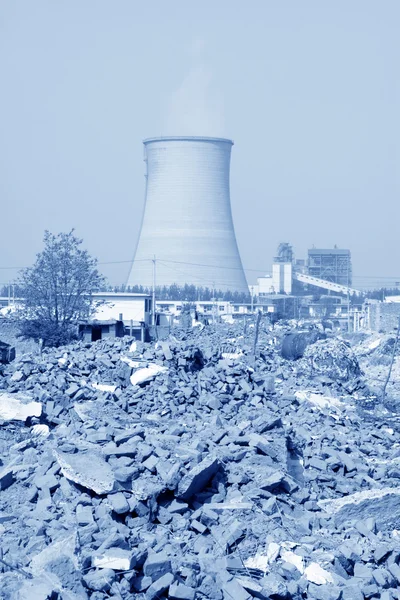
[(7, 478), (317, 463), (71, 391), (177, 506), (48, 481), (146, 374), (159, 587), (279, 482), (370, 590), (114, 558), (381, 552), (383, 503), (180, 591), (394, 570), (119, 503), (99, 580), (352, 591), (316, 574), (157, 565), (233, 589), (84, 515), (87, 469), (274, 585), (198, 478)]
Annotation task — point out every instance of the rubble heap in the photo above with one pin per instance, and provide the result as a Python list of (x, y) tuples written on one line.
[(190, 469)]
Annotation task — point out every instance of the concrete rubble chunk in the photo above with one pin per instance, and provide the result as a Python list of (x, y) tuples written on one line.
[(84, 515), (316, 574), (99, 580), (180, 591), (18, 407), (147, 374), (114, 558), (233, 589), (159, 587), (198, 477), (88, 469), (63, 547), (7, 477), (104, 387), (383, 504), (119, 503), (157, 565)]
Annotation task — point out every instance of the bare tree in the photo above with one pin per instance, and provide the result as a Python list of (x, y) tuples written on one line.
[(57, 289)]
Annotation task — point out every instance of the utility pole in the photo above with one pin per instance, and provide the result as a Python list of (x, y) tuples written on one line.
[(348, 297), (154, 292), (213, 306), (252, 299)]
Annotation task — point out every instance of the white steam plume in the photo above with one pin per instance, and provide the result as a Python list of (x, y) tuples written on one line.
[(196, 107)]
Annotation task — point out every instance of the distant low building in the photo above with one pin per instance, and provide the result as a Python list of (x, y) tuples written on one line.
[(118, 312), (98, 330)]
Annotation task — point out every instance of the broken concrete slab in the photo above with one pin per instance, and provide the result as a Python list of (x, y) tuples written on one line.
[(18, 407), (383, 504), (88, 469), (115, 558), (146, 374)]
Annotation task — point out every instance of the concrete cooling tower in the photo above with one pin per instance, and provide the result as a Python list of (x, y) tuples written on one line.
[(187, 221)]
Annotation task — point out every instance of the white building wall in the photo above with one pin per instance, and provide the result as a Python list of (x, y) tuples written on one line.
[(132, 308), (287, 278), (276, 278), (265, 285)]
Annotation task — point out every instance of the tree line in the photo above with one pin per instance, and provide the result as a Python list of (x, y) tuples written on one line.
[(186, 293), (57, 291)]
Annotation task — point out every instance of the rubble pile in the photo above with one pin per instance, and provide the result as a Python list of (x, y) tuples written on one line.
[(332, 358), (192, 469)]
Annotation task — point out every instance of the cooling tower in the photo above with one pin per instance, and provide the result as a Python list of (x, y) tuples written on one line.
[(187, 221)]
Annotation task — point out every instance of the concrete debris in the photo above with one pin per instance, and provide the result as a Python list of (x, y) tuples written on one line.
[(192, 469), (102, 387), (146, 374), (117, 559), (18, 407), (316, 574), (331, 358), (87, 469)]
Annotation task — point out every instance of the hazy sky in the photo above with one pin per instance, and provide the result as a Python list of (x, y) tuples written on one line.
[(308, 91)]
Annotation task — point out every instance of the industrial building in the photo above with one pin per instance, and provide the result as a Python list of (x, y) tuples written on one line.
[(187, 234), (331, 265), (327, 269)]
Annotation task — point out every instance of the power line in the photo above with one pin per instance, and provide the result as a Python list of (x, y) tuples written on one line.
[(193, 276), (375, 278)]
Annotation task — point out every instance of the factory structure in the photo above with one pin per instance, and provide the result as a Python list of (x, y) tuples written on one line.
[(187, 234), (326, 269)]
